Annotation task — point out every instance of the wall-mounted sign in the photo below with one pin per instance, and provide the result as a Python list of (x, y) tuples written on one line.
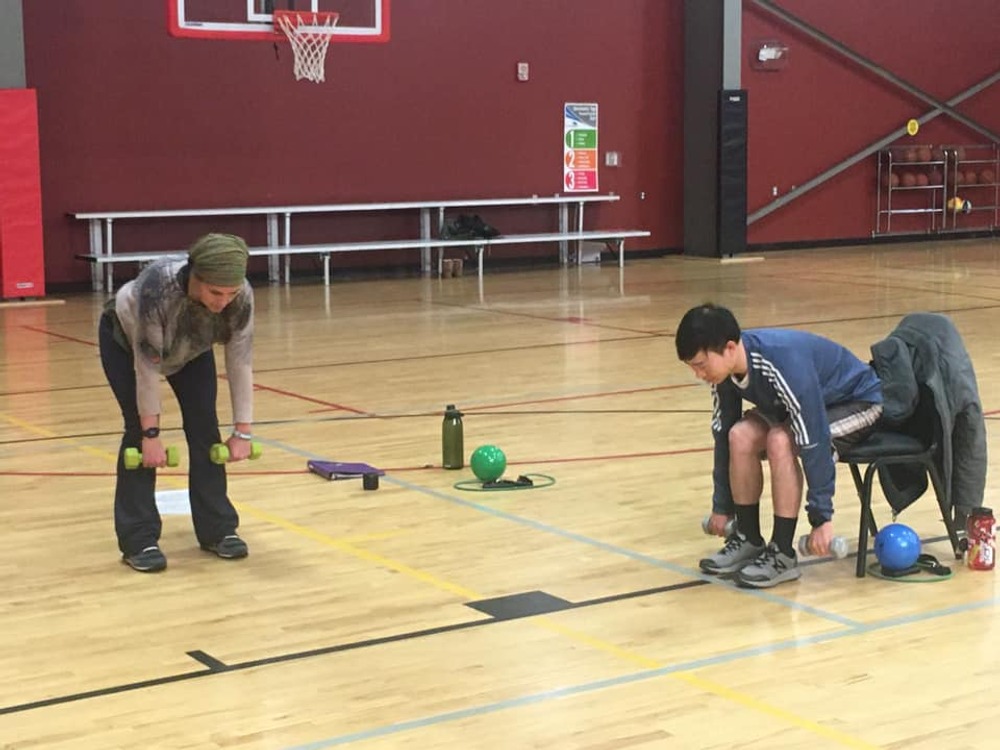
[(580, 148)]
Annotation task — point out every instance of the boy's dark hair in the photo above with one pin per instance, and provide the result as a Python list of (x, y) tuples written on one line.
[(705, 328)]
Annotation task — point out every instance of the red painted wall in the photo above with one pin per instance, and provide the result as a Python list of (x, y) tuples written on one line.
[(132, 118), (823, 108)]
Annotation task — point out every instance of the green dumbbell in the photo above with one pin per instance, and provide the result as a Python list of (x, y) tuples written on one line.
[(133, 458), (220, 452)]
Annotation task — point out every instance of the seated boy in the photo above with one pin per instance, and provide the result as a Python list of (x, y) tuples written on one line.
[(809, 394)]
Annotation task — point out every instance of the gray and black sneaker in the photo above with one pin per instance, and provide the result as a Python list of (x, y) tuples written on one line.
[(230, 547), (149, 560), (736, 553), (771, 567)]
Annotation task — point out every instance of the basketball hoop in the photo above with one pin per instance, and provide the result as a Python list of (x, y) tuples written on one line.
[(309, 34)]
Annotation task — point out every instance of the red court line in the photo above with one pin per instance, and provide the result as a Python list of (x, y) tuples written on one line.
[(553, 399), (256, 386), (60, 336), (462, 353), (310, 399), (182, 474), (391, 470), (547, 318), (583, 396)]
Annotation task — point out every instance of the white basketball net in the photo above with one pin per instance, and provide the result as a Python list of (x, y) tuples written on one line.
[(309, 42)]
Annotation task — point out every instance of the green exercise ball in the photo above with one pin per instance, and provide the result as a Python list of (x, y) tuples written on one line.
[(488, 463)]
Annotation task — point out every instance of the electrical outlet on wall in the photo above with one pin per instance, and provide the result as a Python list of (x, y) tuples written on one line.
[(522, 71)]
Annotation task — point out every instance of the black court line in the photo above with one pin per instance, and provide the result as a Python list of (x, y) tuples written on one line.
[(209, 661), (216, 667)]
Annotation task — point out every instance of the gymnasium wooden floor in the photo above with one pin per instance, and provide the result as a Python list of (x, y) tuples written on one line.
[(364, 618)]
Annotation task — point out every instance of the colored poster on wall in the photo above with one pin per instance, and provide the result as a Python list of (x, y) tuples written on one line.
[(580, 148)]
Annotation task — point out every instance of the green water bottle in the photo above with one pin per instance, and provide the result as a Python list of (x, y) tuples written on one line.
[(452, 444)]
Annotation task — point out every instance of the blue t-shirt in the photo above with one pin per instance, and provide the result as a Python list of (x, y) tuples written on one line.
[(796, 376)]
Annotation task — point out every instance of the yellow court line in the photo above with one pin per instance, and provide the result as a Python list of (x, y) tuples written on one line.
[(75, 442), (349, 547), (378, 537), (547, 623), (779, 713), (359, 552)]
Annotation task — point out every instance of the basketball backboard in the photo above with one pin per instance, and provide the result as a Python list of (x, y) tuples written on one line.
[(253, 20)]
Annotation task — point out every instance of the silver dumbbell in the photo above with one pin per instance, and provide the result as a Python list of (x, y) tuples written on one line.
[(730, 526), (838, 546)]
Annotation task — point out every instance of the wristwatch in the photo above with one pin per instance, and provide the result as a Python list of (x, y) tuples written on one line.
[(242, 435), (151, 432)]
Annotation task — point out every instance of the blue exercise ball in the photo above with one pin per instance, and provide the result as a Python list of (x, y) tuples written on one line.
[(897, 547)]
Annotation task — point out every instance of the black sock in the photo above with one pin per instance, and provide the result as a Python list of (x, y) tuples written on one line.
[(748, 521), (783, 535)]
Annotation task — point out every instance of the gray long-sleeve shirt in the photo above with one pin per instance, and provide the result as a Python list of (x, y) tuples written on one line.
[(167, 329)]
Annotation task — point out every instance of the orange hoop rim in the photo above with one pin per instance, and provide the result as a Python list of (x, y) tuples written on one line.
[(310, 22)]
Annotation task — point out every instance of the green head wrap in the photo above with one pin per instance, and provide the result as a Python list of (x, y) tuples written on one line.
[(219, 259)]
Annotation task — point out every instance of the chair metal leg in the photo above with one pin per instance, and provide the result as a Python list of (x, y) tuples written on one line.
[(867, 524), (867, 519), (946, 514)]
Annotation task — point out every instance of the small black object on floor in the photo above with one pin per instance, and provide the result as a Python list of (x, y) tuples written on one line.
[(521, 481)]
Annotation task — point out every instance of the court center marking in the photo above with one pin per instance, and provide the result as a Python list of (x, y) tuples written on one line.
[(424, 576), (675, 669), (546, 623), (615, 549)]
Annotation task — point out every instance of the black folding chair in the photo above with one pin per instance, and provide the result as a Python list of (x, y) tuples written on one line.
[(887, 448)]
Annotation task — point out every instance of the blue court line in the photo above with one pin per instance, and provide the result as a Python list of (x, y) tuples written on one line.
[(605, 546), (639, 556), (646, 674)]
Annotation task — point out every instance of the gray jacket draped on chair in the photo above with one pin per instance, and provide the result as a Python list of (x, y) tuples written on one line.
[(926, 351)]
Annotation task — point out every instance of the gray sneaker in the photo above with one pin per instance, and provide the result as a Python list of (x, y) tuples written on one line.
[(771, 567), (734, 555)]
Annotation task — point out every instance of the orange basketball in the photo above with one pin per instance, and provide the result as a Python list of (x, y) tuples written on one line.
[(936, 177), (910, 154), (922, 180), (924, 153), (908, 179), (987, 176), (970, 176)]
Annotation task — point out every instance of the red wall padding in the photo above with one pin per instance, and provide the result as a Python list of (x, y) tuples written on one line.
[(22, 265)]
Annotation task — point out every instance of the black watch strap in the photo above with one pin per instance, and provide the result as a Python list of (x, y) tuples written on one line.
[(151, 432)]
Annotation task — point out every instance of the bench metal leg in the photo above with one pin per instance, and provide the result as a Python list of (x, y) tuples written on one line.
[(108, 249), (479, 252), (425, 234), (96, 248), (273, 240), (288, 242), (326, 269), (621, 253)]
